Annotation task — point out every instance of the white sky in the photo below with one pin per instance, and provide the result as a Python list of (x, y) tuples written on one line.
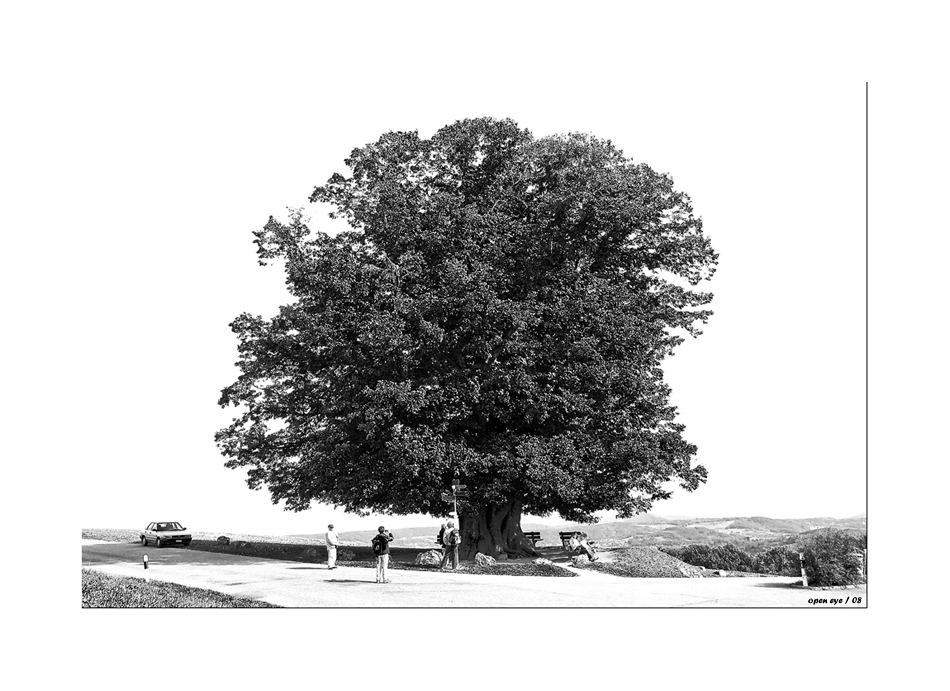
[(197, 154), (184, 136)]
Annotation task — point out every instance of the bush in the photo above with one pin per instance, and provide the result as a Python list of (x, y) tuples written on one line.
[(834, 557), (697, 555), (732, 558), (728, 557), (780, 561)]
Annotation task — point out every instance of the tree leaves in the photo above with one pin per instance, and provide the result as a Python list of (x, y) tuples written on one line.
[(500, 311)]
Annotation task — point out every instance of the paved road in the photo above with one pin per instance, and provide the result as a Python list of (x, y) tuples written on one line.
[(294, 584)]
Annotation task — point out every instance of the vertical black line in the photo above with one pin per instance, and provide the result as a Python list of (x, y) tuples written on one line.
[(867, 284)]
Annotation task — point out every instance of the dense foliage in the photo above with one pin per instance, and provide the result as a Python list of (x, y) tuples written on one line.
[(726, 556), (499, 312), (831, 556), (834, 557), (779, 561)]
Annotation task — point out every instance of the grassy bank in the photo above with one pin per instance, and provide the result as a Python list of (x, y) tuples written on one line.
[(640, 562), (104, 590), (311, 551)]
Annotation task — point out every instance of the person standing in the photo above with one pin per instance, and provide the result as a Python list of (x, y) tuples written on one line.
[(440, 539), (450, 541), (381, 550), (332, 541)]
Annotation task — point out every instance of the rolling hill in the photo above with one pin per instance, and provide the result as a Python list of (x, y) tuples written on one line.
[(753, 532)]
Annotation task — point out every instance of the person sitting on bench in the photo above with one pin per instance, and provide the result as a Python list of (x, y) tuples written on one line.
[(579, 543)]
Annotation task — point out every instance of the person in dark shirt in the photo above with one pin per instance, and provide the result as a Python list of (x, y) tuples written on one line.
[(450, 542), (381, 550)]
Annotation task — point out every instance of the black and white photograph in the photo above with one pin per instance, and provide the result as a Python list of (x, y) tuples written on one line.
[(486, 317)]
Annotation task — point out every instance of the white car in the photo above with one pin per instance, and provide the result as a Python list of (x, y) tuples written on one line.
[(165, 533)]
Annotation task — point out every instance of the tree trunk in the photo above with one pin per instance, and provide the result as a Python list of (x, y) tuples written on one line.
[(495, 531)]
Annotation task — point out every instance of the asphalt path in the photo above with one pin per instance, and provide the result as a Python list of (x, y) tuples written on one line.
[(296, 584)]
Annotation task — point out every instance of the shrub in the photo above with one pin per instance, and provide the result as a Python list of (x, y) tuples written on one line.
[(781, 561), (697, 555), (726, 556), (834, 557), (732, 558)]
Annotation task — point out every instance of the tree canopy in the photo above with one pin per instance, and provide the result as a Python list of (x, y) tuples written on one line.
[(499, 312)]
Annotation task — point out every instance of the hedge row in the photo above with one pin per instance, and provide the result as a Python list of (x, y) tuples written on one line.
[(831, 556), (835, 557)]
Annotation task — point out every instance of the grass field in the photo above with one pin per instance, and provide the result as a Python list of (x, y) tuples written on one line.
[(104, 590)]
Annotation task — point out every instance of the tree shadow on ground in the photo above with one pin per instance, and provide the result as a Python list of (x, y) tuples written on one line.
[(785, 586), (307, 568)]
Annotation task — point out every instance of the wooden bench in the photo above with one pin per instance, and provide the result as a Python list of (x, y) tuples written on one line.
[(566, 538), (566, 542), (534, 536)]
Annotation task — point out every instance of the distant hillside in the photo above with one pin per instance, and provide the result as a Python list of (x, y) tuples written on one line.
[(433, 530), (757, 532), (367, 535), (783, 525)]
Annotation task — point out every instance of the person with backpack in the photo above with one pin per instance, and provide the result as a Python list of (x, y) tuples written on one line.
[(439, 540), (450, 543), (381, 550)]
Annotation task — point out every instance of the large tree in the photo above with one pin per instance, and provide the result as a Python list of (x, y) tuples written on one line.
[(499, 312)]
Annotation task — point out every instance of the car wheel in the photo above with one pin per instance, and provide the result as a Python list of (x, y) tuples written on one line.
[(158, 542), (144, 542)]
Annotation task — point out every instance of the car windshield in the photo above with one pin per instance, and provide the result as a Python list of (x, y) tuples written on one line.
[(168, 526)]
